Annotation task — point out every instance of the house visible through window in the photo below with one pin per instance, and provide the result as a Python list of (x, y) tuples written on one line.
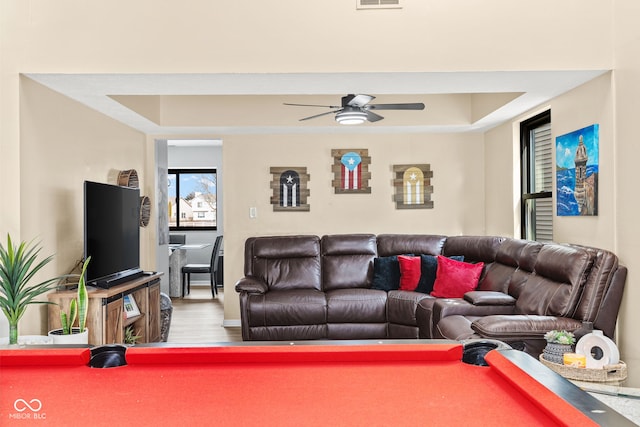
[(192, 199), (537, 178)]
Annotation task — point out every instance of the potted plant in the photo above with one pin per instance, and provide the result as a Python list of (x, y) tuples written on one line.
[(558, 343), (18, 266), (68, 334), (131, 337)]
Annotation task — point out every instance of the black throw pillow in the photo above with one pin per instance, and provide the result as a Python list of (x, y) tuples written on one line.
[(386, 273)]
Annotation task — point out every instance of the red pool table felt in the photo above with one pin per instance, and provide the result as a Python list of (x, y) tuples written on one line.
[(324, 385)]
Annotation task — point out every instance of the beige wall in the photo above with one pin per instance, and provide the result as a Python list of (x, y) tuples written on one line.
[(63, 144), (456, 161), (295, 36), (502, 176), (591, 103), (66, 37), (47, 143), (626, 87)]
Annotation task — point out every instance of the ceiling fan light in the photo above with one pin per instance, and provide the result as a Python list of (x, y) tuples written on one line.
[(353, 117)]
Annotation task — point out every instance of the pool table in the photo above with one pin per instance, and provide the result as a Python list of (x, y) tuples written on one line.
[(369, 383)]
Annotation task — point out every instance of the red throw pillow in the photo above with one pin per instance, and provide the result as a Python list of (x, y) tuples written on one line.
[(455, 278), (409, 272)]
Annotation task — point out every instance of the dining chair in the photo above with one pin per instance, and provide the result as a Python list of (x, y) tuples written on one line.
[(211, 268)]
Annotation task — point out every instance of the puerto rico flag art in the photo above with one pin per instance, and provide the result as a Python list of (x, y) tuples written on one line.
[(413, 187), (351, 171), (289, 186), (289, 189)]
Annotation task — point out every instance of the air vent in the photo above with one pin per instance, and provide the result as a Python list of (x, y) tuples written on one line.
[(378, 4)]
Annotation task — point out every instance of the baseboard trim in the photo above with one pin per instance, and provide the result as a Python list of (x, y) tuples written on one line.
[(231, 323)]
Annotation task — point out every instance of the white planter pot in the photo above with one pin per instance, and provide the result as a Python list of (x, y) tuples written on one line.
[(75, 337)]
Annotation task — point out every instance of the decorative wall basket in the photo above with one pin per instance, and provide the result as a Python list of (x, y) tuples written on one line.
[(128, 178), (145, 211)]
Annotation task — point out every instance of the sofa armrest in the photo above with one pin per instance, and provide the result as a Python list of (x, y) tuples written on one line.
[(461, 307), (489, 298), (521, 326), (251, 285)]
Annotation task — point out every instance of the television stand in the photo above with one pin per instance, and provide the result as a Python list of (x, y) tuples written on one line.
[(106, 317)]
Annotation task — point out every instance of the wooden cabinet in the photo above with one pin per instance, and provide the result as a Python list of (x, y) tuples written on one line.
[(106, 316), (153, 331)]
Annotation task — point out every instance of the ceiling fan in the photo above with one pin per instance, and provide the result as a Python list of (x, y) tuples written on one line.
[(355, 109)]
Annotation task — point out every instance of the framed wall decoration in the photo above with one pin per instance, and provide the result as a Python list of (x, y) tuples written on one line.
[(289, 186), (412, 184), (577, 168), (351, 171)]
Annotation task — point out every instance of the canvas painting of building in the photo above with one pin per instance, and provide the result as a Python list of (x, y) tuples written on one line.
[(577, 172)]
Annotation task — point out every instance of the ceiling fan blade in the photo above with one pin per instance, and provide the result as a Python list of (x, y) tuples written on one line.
[(312, 105), (373, 117), (319, 115), (357, 100), (408, 106)]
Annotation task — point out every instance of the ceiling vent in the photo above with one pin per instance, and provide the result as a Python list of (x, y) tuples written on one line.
[(378, 4)]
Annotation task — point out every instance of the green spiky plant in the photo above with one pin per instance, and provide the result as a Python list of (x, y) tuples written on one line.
[(77, 307), (18, 266), (130, 335)]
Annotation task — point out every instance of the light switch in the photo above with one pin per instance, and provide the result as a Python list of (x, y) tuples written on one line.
[(253, 212)]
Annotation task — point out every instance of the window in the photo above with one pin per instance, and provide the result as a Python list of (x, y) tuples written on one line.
[(192, 199), (537, 178)]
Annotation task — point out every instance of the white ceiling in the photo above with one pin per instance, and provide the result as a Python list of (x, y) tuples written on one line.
[(96, 91)]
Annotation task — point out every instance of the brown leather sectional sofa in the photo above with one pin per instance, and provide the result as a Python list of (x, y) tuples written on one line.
[(306, 288)]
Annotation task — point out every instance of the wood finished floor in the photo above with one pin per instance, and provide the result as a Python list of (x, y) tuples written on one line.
[(197, 318)]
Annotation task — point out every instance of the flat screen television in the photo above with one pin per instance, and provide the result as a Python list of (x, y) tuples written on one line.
[(111, 233)]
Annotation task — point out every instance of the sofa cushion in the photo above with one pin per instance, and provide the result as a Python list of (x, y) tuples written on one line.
[(513, 256), (357, 331), (492, 298), (286, 262), (455, 278), (401, 306), (605, 265), (555, 288), (287, 333), (474, 248), (288, 307), (386, 273), (521, 326), (456, 328), (424, 317), (356, 306), (399, 244), (429, 267), (409, 272), (347, 260), (402, 332)]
